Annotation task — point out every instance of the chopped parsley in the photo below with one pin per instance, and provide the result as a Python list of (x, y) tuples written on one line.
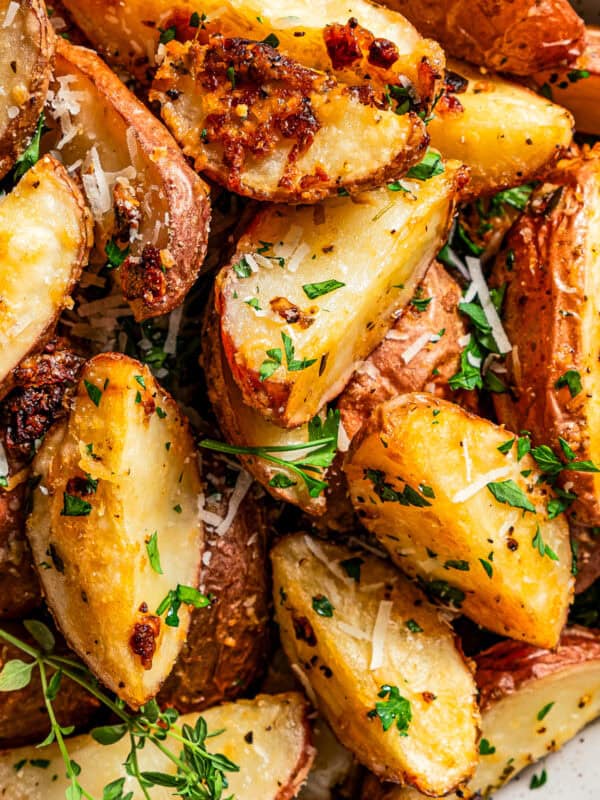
[(314, 290), (572, 380), (544, 711), (413, 626), (293, 364), (242, 269), (322, 606), (153, 554), (459, 564), (352, 567), (510, 494), (394, 710), (485, 748), (114, 255), (420, 303), (429, 167), (31, 154), (281, 481), (442, 591), (167, 34), (74, 506), (543, 549), (538, 780), (271, 40), (187, 595), (386, 492), (94, 393), (489, 569)]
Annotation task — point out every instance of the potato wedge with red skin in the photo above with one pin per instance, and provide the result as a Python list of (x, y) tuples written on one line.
[(141, 191), (395, 367), (227, 644), (118, 496), (45, 237), (518, 36), (355, 631), (551, 316), (532, 701), (506, 134), (265, 126), (272, 765), (419, 474), (291, 340), (128, 34), (577, 86), (26, 51)]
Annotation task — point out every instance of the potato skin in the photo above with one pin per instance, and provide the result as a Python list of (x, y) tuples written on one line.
[(385, 374), (518, 36), (228, 643), (551, 318), (160, 268), (28, 44), (23, 716)]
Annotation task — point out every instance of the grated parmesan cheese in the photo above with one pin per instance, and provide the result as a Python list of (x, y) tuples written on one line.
[(416, 347), (563, 286), (170, 345), (343, 440), (464, 340), (380, 633), (301, 675), (242, 484), (354, 632), (318, 552), (3, 461), (297, 258), (468, 463), (498, 332), (469, 491), (11, 13)]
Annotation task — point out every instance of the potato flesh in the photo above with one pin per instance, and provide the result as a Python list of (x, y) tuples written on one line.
[(269, 765), (527, 595), (579, 94), (338, 665), (119, 32), (378, 247), (145, 465), (102, 131), (355, 146), (507, 135), (26, 47), (44, 240)]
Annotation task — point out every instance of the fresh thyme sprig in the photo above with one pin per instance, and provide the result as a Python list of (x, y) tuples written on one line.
[(200, 775)]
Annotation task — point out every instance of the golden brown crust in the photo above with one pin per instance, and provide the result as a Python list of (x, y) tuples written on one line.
[(387, 374), (260, 123), (227, 644), (509, 665), (155, 278), (28, 44), (549, 266), (518, 36)]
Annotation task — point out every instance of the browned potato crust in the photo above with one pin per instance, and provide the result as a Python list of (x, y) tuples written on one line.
[(577, 86), (26, 50), (551, 316), (157, 207), (518, 36), (263, 125), (391, 369), (23, 716), (227, 644)]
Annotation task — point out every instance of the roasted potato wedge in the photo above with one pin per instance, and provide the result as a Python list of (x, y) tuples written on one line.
[(362, 638), (129, 34), (265, 126), (551, 316), (26, 50), (118, 497), (518, 36), (143, 195), (533, 701), (227, 644), (297, 315), (506, 134), (273, 761), (23, 715), (420, 352), (45, 238), (577, 86), (427, 478)]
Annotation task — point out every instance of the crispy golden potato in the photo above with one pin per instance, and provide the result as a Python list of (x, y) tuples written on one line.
[(265, 126), (358, 632), (37, 398), (144, 197), (23, 715), (577, 86), (45, 237), (427, 478), (227, 644), (411, 357), (26, 50), (518, 36), (298, 314), (533, 701), (506, 134), (551, 316), (273, 761), (128, 34), (115, 530)]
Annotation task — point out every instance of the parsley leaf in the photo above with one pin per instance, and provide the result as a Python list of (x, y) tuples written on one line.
[(293, 364), (114, 255), (395, 710), (281, 481), (510, 494), (187, 595), (153, 554), (429, 167), (31, 154), (74, 506), (572, 380), (314, 290), (94, 393), (543, 549), (270, 364)]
